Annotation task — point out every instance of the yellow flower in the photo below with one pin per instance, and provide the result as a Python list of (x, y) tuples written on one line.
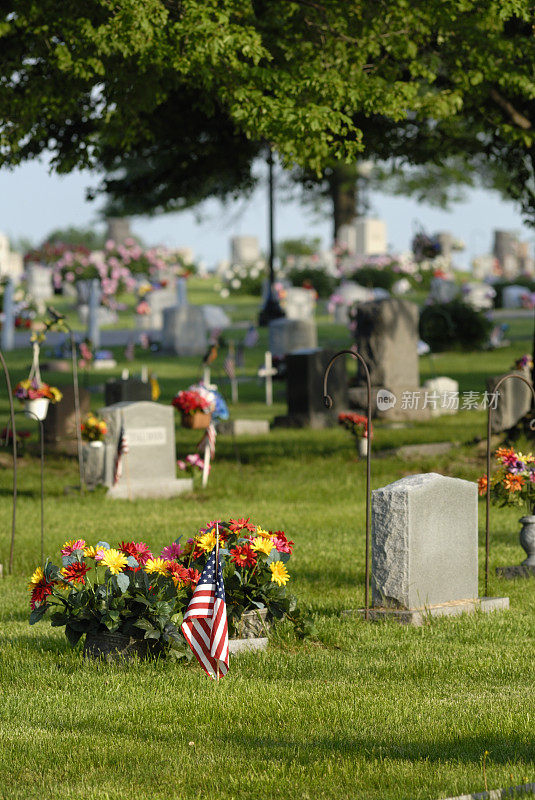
[(114, 560), (207, 541), (279, 573), (56, 394), (36, 578), (261, 532), (157, 565), (262, 545), (90, 551)]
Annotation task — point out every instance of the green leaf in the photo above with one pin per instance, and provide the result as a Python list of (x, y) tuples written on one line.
[(73, 637), (123, 582), (37, 613)]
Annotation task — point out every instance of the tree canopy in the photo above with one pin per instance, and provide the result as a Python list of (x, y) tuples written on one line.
[(181, 95)]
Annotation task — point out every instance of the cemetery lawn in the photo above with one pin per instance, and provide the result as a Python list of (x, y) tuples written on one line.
[(359, 712)]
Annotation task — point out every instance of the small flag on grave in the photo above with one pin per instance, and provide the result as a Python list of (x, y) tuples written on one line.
[(122, 449), (251, 337), (205, 621)]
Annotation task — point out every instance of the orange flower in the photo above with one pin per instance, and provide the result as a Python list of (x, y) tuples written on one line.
[(482, 484), (513, 483), (503, 452)]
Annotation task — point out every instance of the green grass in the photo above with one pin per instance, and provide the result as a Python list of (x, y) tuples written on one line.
[(363, 712)]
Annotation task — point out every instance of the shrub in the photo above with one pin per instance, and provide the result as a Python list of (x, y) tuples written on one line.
[(447, 326)]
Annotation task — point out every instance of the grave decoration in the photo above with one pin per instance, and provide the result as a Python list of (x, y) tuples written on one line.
[(34, 392), (94, 430), (215, 409), (357, 425), (128, 598), (513, 484), (194, 408)]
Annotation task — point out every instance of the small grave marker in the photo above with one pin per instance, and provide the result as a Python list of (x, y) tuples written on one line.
[(267, 372)]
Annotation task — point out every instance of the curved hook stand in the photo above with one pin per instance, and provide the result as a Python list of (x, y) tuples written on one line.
[(489, 433), (12, 419), (41, 441), (328, 402)]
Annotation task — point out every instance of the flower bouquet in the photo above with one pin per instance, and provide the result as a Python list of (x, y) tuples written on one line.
[(94, 429), (124, 591), (357, 425), (132, 594), (36, 395), (513, 484), (195, 409)]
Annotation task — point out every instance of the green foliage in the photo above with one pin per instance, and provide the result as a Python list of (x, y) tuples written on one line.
[(306, 246), (317, 277), (76, 236), (446, 326)]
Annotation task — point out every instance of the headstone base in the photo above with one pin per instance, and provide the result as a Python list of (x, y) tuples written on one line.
[(396, 413), (315, 421), (244, 427), (518, 571), (247, 645), (151, 489), (418, 616)]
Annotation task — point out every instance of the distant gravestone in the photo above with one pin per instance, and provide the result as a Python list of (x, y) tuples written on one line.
[(244, 249), (441, 395), (118, 229), (40, 285), (513, 403), (60, 422), (288, 335), (104, 316), (128, 389), (425, 548), (158, 300), (442, 290), (299, 303), (8, 321), (513, 296), (184, 331), (304, 389), (149, 466)]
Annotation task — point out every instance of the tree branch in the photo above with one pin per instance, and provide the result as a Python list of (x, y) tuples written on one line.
[(515, 116)]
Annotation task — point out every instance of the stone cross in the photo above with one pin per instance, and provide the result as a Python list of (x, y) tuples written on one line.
[(93, 331), (8, 327), (267, 372)]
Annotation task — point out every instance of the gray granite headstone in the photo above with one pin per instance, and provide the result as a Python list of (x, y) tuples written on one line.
[(387, 338), (39, 282), (424, 542), (184, 331), (300, 303), (158, 300), (289, 335), (513, 403), (149, 467)]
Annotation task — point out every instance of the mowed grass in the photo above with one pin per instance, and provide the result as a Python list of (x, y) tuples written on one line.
[(363, 711)]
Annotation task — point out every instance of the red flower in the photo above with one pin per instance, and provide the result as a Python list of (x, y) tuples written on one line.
[(243, 555), (236, 525), (75, 572), (40, 591), (194, 576), (129, 549), (282, 544), (142, 552)]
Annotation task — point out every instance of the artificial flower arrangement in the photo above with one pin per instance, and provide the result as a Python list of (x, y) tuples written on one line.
[(356, 424), (190, 401), (129, 590), (201, 398), (94, 428), (525, 362), (513, 483), (33, 389)]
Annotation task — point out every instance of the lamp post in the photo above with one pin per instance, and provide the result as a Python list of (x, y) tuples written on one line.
[(271, 308)]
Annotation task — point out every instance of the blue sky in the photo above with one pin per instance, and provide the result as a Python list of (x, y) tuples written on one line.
[(33, 202)]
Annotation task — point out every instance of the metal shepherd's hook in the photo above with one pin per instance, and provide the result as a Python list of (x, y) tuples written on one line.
[(328, 402), (12, 418), (489, 433)]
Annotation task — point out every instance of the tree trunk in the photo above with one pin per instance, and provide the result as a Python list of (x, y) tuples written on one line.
[(343, 191)]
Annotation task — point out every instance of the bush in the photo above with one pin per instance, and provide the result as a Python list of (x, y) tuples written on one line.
[(455, 325), (323, 283)]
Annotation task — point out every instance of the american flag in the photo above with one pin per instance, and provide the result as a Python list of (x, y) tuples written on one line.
[(122, 449), (251, 337), (208, 440), (205, 621), (229, 365)]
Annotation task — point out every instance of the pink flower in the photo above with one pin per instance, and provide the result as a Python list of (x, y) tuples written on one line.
[(69, 547), (143, 552), (172, 551), (282, 544)]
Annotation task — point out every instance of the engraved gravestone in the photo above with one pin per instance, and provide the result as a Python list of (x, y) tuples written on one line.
[(184, 331), (425, 548), (149, 466)]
